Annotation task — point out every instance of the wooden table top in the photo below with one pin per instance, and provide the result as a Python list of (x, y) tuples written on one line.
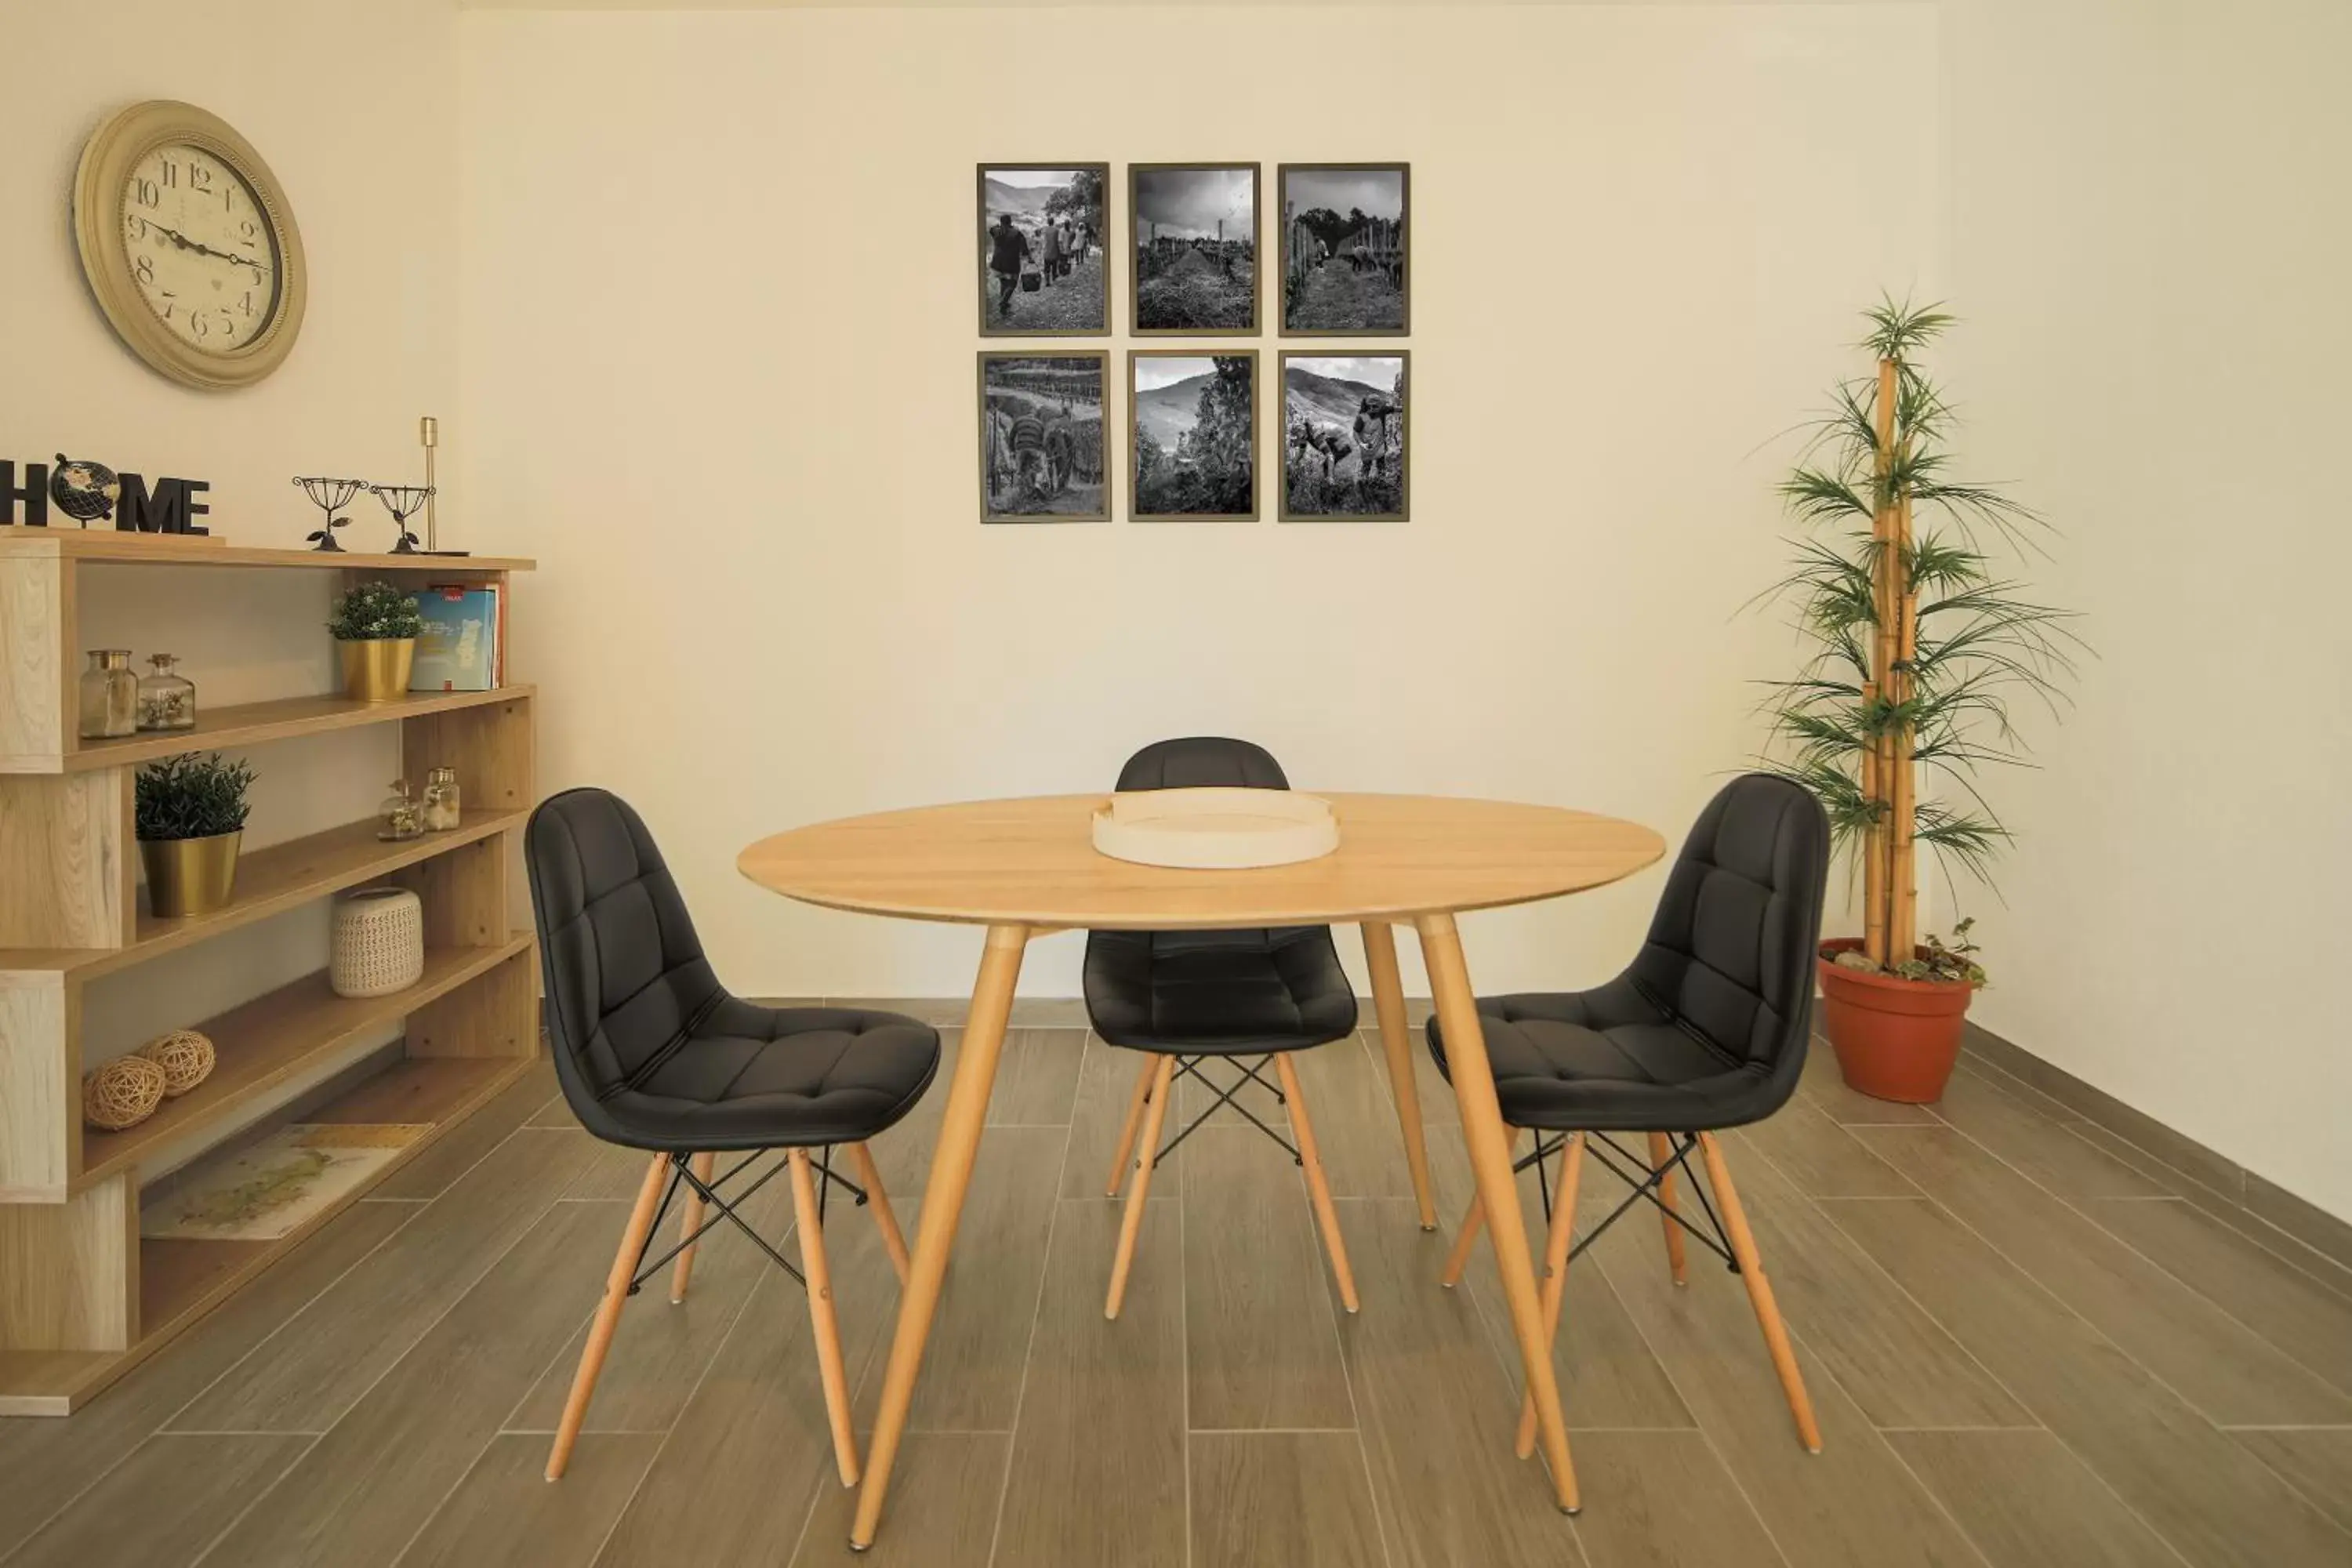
[(1032, 862)]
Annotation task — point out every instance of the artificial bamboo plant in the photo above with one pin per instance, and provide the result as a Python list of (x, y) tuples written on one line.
[(1920, 641)]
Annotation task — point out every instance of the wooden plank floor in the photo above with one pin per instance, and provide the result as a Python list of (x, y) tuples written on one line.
[(2024, 1349)]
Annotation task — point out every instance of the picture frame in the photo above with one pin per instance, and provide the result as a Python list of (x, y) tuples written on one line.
[(1333, 395), (1179, 468), (1045, 439), (1045, 295), (1372, 298), (1182, 256)]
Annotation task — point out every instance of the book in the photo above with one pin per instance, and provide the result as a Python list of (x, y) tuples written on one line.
[(464, 640)]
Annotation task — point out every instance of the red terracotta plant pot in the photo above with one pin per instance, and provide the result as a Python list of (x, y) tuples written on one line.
[(1894, 1038)]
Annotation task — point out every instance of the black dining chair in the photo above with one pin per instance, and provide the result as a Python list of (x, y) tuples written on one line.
[(1185, 998), (653, 1053), (1706, 1030)]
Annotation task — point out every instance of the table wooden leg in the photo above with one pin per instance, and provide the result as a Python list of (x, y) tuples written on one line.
[(943, 1193), (1396, 1043), (1490, 1161)]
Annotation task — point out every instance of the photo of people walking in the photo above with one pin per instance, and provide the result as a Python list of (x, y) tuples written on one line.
[(1195, 246), (1344, 248), (1041, 437), (1043, 247)]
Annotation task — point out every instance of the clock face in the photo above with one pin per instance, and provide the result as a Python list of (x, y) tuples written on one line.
[(202, 251)]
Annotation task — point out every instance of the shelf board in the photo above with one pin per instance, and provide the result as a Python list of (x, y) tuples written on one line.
[(253, 723), (114, 546), (269, 882), (181, 1279), (271, 1041)]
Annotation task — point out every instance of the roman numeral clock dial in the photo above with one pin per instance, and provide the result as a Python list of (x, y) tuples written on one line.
[(189, 245)]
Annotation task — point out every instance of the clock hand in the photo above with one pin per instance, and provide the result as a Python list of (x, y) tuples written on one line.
[(184, 243)]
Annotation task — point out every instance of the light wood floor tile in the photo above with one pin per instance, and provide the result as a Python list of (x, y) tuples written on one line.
[(1819, 1158), (1036, 1078), (1437, 1410), (980, 1338), (1097, 1472), (2204, 1495), (45, 1463), (2286, 1306), (507, 1512), (943, 1500), (2042, 1149), (2028, 1503), (1663, 1499), (163, 1505), (1823, 1087), (2316, 1460), (1259, 1346), (1347, 1087), (661, 1350), (1854, 1503), (2218, 1365), (360, 1494), (1106, 1079), (1282, 1499), (308, 1376)]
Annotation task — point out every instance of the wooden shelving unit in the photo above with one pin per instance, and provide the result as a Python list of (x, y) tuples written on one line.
[(83, 1296)]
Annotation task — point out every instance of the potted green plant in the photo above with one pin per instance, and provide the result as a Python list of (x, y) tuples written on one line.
[(376, 625), (189, 815), (1919, 644)]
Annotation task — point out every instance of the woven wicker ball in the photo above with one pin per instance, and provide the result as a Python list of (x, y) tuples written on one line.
[(122, 1093), (186, 1056)]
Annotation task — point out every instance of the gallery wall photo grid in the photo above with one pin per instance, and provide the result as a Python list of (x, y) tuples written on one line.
[(1346, 430), (1194, 436), (1045, 253), (1346, 241), (1043, 450), (1194, 256)]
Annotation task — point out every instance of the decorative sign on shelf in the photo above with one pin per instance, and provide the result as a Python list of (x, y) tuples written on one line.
[(91, 492)]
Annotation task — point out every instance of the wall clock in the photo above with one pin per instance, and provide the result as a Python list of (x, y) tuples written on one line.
[(189, 245)]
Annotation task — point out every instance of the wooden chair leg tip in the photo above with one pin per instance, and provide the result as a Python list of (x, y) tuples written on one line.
[(1430, 1226), (860, 1546)]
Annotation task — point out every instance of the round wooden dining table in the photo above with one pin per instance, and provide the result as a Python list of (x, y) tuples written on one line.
[(1028, 868)]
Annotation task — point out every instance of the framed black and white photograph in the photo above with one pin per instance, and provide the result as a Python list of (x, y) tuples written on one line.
[(1045, 250), (1194, 442), (1345, 438), (1042, 455), (1195, 251), (1345, 239)]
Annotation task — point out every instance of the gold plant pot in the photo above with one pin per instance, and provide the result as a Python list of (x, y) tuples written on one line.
[(189, 876), (375, 669)]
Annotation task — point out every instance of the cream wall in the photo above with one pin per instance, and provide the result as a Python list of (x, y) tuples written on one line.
[(718, 339), (352, 102)]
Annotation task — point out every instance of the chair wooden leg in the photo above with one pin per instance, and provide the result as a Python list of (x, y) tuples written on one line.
[(1760, 1293), (1555, 1275), (1474, 1220), (1131, 1224), (1661, 1151), (608, 1316), (689, 1220), (1135, 1104), (1396, 1044), (830, 1368), (1317, 1189), (884, 1220)]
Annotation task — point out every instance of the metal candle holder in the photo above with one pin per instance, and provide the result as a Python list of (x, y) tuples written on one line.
[(329, 496), (402, 501)]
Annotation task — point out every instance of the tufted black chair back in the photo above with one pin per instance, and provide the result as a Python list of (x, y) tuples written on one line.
[(626, 979), (1730, 951), (1202, 761)]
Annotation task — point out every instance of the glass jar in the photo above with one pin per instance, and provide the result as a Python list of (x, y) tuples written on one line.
[(110, 695), (400, 815), (166, 701), (441, 811)]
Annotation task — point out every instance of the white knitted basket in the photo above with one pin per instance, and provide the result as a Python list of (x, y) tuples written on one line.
[(379, 943)]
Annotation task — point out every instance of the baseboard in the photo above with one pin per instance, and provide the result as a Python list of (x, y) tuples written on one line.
[(2240, 1195)]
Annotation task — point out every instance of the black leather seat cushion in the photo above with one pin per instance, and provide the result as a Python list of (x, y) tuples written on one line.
[(1215, 993), (1707, 1028), (1222, 992), (651, 1050)]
